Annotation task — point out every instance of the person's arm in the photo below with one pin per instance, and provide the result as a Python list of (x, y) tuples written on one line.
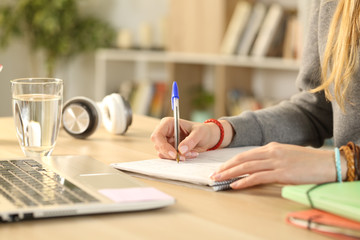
[(305, 119)]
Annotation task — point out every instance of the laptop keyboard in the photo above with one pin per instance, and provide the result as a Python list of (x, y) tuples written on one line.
[(29, 183)]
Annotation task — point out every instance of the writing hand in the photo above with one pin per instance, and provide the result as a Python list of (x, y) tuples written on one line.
[(194, 138)]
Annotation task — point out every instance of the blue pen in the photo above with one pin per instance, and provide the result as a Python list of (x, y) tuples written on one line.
[(175, 108)]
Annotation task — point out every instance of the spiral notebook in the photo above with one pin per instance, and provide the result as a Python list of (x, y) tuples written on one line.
[(195, 171)]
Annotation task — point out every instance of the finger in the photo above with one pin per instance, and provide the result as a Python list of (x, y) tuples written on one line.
[(163, 130), (162, 138), (250, 155), (191, 154), (165, 156), (191, 142), (255, 179), (245, 168), (169, 154), (270, 149)]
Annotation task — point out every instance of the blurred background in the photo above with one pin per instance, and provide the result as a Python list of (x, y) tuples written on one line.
[(138, 47)]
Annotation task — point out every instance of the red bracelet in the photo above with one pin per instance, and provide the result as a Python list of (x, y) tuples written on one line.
[(221, 133)]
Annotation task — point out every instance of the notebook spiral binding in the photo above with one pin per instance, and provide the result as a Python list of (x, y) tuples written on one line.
[(224, 185)]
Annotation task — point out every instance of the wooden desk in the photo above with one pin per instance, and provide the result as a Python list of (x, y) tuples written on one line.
[(256, 213)]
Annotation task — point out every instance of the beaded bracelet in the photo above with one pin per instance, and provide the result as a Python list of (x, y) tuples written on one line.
[(221, 133), (338, 165)]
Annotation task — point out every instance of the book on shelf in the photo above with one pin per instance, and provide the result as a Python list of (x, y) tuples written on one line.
[(126, 89), (157, 103), (252, 28), (236, 27), (277, 43), (256, 29), (292, 39), (268, 30), (141, 97), (146, 97)]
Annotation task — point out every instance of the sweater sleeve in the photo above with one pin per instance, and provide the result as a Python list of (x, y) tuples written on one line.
[(305, 119)]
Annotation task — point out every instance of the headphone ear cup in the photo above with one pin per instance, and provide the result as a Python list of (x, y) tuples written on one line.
[(116, 113), (80, 117)]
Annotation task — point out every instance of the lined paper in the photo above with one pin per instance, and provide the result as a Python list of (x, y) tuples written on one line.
[(196, 171)]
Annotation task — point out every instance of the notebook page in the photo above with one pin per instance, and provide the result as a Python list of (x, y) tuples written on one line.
[(196, 171)]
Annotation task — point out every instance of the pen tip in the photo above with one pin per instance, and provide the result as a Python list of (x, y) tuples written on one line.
[(177, 157)]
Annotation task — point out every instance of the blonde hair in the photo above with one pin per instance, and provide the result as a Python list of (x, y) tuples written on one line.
[(341, 52)]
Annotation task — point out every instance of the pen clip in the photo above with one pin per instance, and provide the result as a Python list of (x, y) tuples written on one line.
[(174, 95)]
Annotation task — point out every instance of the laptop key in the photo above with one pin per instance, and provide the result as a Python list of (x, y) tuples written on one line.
[(16, 196)]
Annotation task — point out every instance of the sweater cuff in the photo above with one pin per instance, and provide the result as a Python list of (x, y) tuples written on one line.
[(247, 130)]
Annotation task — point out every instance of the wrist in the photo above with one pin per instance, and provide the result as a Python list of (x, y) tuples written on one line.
[(217, 134), (344, 167), (214, 134), (221, 133), (228, 133)]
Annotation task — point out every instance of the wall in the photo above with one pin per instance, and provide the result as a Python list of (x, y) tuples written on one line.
[(130, 14), (78, 72), (14, 59)]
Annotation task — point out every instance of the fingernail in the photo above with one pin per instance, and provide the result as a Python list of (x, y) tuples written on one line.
[(212, 175), (182, 158), (188, 154), (234, 184), (183, 149), (194, 154), (217, 176), (172, 154)]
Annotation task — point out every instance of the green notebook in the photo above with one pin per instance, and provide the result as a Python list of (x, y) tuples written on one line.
[(342, 199)]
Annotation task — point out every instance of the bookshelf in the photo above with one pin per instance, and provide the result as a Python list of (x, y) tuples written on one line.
[(195, 33), (188, 69)]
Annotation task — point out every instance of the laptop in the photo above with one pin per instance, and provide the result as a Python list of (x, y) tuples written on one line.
[(70, 185)]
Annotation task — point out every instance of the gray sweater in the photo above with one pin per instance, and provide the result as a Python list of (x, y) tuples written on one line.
[(306, 118)]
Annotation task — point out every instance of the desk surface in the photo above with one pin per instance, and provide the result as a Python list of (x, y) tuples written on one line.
[(256, 213)]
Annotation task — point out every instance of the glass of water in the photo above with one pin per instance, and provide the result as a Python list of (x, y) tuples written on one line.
[(37, 106)]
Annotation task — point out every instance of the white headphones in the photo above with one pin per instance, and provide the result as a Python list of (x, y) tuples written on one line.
[(81, 116)]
